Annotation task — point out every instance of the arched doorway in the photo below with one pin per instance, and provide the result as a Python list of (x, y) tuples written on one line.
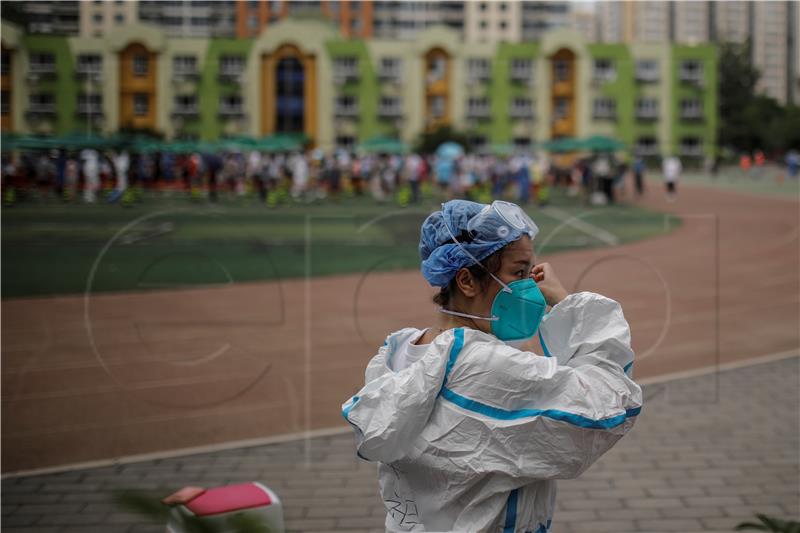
[(563, 94), (288, 92), (137, 96), (437, 88)]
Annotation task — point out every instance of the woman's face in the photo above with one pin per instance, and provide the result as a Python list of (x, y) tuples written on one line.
[(518, 259)]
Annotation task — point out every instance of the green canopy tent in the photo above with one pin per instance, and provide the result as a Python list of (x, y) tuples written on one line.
[(383, 145), (601, 143), (563, 145)]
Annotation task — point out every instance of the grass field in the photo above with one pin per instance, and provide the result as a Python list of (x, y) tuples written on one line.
[(167, 242)]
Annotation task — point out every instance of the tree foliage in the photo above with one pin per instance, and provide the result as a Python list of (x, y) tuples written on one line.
[(748, 120)]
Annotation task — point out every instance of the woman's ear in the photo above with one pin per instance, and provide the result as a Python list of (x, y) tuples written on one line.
[(466, 283)]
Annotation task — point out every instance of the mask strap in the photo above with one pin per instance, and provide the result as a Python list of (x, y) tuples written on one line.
[(506, 288), (465, 315)]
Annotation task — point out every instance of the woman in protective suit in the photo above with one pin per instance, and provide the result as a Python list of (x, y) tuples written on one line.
[(470, 432)]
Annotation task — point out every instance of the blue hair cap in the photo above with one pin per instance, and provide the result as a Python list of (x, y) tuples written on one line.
[(441, 256)]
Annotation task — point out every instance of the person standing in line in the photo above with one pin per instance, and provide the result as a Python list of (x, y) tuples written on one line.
[(672, 169), (638, 175)]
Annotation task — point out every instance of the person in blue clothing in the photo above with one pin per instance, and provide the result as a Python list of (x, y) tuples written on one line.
[(469, 431)]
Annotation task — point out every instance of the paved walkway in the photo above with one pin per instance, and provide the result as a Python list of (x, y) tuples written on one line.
[(707, 453)]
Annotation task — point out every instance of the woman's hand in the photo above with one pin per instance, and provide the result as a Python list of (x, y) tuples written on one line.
[(552, 289)]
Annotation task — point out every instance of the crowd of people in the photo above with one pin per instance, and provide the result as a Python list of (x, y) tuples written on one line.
[(119, 176)]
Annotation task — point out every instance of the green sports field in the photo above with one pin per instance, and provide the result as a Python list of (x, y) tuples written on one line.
[(49, 247)]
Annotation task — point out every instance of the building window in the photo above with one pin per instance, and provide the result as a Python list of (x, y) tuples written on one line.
[(437, 106), (5, 102), (140, 65), (437, 68), (389, 106), (521, 70), (503, 24), (646, 146), (477, 107), (141, 104), (691, 147), (119, 18), (42, 62), (521, 108), (561, 70), (691, 109), (503, 6), (230, 104), (184, 64), (231, 65), (98, 18), (478, 143), (604, 70), (483, 6), (90, 104), (346, 142), (647, 70), (252, 22), (483, 24), (478, 69), (345, 67), (691, 70), (604, 108), (185, 104), (522, 143), (561, 109), (346, 106), (90, 64), (391, 67), (5, 64), (42, 102), (647, 108)]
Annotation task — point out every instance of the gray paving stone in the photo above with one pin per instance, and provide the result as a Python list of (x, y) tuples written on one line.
[(689, 467)]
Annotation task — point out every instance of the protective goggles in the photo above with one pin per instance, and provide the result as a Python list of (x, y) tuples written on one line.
[(500, 220)]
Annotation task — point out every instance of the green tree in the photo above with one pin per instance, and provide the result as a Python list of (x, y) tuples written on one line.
[(737, 88)]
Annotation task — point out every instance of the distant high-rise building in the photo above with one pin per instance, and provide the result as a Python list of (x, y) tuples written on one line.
[(770, 37), (540, 17), (627, 22), (585, 22), (731, 21), (404, 20), (190, 18), (45, 17), (691, 21), (493, 21), (100, 18)]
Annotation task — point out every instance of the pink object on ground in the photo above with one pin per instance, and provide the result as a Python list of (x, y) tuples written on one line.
[(184, 496), (228, 499)]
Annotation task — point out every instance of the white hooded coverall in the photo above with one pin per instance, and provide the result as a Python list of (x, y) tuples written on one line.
[(473, 435)]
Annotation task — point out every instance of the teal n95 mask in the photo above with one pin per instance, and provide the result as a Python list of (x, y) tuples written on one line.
[(518, 308)]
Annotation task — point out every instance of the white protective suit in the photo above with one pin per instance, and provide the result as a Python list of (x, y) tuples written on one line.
[(473, 435)]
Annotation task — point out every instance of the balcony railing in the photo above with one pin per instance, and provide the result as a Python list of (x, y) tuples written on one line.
[(521, 112), (691, 114), (231, 111), (478, 112), (346, 111), (390, 111), (188, 111), (647, 114)]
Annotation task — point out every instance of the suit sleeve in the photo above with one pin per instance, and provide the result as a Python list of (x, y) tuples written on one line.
[(539, 417)]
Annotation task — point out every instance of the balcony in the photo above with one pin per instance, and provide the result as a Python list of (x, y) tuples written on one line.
[(349, 111), (192, 112), (691, 150), (342, 76), (647, 76), (231, 111), (691, 114), (93, 73), (94, 110), (41, 111), (389, 74), (179, 76), (231, 76), (647, 114), (478, 112), (394, 111), (521, 113), (38, 72), (692, 76), (524, 76)]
